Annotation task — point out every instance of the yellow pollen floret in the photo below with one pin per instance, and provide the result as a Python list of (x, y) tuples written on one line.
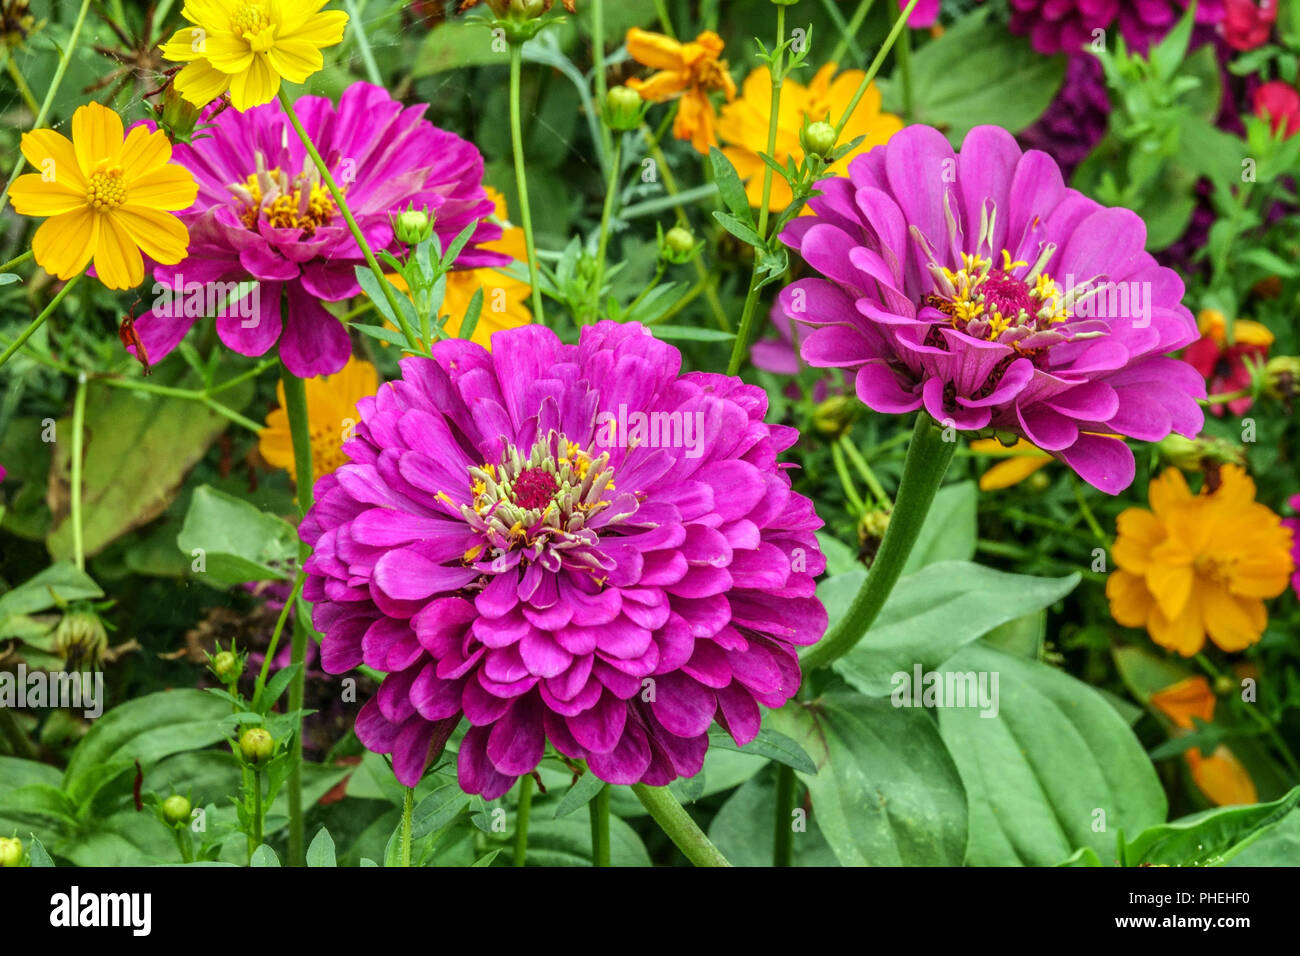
[(106, 189)]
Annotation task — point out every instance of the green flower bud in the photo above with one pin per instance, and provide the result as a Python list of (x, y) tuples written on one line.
[(871, 532), (256, 745), (678, 245), (1223, 684), (624, 109), (412, 226), (834, 417), (11, 852), (176, 808), (1039, 481), (1282, 377), (529, 9), (1190, 454), (227, 666), (80, 639), (818, 139)]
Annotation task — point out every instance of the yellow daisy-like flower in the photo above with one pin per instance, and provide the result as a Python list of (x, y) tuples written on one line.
[(690, 71), (744, 124), (1220, 776), (1021, 460), (107, 196), (249, 46), (1198, 565), (331, 417), (504, 298)]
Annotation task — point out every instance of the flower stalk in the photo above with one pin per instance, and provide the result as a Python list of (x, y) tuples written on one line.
[(523, 811), (521, 181), (37, 322), (78, 456), (600, 828), (677, 823), (927, 462)]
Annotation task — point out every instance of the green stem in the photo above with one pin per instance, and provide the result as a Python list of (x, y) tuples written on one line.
[(521, 181), (611, 191), (16, 261), (1224, 397), (1088, 516), (783, 832), (78, 454), (846, 480), (408, 804), (927, 462), (64, 59), (599, 808), (521, 828), (257, 808), (21, 83), (295, 403), (679, 826), (390, 293), (864, 469), (848, 31), (740, 345), (905, 72), (1260, 718), (665, 21), (899, 25), (275, 635), (37, 322), (773, 122), (598, 64), (363, 43)]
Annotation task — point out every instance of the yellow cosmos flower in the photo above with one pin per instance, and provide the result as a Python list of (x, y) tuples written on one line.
[(504, 298), (1211, 322), (690, 71), (1220, 776), (1198, 565), (331, 417), (249, 47), (107, 198), (744, 124), (1022, 460)]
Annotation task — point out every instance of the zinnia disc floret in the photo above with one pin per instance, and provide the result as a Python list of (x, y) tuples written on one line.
[(980, 288), (564, 543)]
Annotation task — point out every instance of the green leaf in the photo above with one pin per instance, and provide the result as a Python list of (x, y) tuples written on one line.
[(475, 309), (321, 851), (567, 842), (739, 228), (237, 541), (978, 73), (38, 593), (742, 829), (949, 531), (382, 334), (582, 792), (770, 744), (1211, 837), (438, 809), (729, 186), (690, 333), (933, 613), (886, 792), (1024, 636), (375, 292), (264, 856), (1038, 773), (36, 851), (1084, 856)]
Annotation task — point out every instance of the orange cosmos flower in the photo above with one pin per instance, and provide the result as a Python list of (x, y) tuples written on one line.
[(690, 71), (1220, 776), (331, 416), (108, 197)]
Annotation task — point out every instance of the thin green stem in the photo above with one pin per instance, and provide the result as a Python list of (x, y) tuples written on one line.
[(257, 808), (868, 475), (774, 119), (782, 831), (16, 261), (599, 808), (1086, 510), (677, 823), (927, 461), (607, 213), (64, 59), (521, 181), (37, 322), (856, 503), (1260, 718), (363, 43), (899, 25), (275, 635), (408, 804), (390, 293), (665, 21), (522, 814), (78, 454), (905, 72), (598, 64), (1224, 397), (20, 82), (848, 31)]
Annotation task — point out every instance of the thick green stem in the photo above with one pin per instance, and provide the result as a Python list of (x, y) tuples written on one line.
[(295, 403), (521, 827), (37, 322), (521, 181), (679, 826), (408, 804), (390, 293), (598, 63), (927, 462), (64, 59), (599, 808), (905, 72), (78, 456), (782, 831)]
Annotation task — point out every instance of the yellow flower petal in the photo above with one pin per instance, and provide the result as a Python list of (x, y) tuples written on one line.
[(64, 244), (117, 260), (96, 136), (1186, 702), (1130, 601), (1233, 623), (654, 50), (168, 187), (33, 196), (1184, 633), (200, 84), (160, 236), (1012, 471), (254, 86), (1221, 777), (318, 29), (55, 157), (295, 60)]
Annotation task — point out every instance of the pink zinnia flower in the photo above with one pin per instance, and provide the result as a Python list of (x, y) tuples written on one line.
[(1294, 525), (1055, 26), (1248, 24), (263, 214), (508, 544), (978, 287), (1279, 102), (926, 12)]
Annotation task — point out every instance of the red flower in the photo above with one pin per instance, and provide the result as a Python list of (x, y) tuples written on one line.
[(1247, 24), (1223, 364), (1279, 103)]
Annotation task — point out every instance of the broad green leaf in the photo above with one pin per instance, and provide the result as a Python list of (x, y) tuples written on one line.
[(236, 541), (264, 856), (567, 842), (38, 593), (321, 851), (886, 792), (729, 187), (36, 852), (744, 828), (582, 792), (1055, 770), (949, 531), (1211, 837), (1279, 846), (770, 744), (438, 809), (933, 613)]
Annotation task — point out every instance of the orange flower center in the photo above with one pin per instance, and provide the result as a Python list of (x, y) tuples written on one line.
[(711, 74), (1211, 568), (107, 190), (303, 204)]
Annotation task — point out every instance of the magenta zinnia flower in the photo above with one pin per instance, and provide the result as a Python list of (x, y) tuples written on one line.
[(570, 543), (978, 287), (1055, 26), (1294, 525), (263, 214)]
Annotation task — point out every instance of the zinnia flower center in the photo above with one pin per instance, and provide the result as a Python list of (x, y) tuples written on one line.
[(994, 304), (252, 24), (303, 203), (107, 190), (543, 498)]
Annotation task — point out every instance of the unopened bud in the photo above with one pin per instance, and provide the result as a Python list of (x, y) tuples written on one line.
[(818, 139), (1282, 377), (624, 109), (256, 745), (413, 226), (11, 852), (1197, 454), (80, 639), (176, 808), (1223, 684), (871, 532), (678, 245), (226, 666), (834, 417)]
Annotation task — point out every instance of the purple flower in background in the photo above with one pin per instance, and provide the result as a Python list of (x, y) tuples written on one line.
[(1055, 26), (980, 288), (1294, 525), (263, 214), (573, 543), (926, 12), (1075, 122)]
